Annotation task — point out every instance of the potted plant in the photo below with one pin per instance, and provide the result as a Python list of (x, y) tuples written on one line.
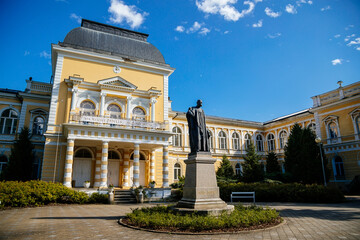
[(86, 184), (111, 187), (152, 184), (139, 194)]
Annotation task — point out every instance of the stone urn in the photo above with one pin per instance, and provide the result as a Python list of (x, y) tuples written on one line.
[(86, 184)]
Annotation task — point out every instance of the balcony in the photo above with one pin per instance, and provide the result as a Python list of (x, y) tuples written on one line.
[(107, 121)]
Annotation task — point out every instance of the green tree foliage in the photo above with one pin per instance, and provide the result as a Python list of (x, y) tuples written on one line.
[(21, 158), (272, 164), (225, 170), (252, 171), (302, 156)]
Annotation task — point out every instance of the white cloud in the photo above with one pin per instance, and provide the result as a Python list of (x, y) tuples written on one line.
[(75, 17), (204, 31), (348, 27), (225, 8), (325, 8), (337, 36), (271, 13), (337, 61), (121, 12), (275, 35), (354, 42), (26, 53), (195, 27), (290, 9), (299, 2), (258, 24), (226, 32), (45, 54), (179, 29), (358, 48)]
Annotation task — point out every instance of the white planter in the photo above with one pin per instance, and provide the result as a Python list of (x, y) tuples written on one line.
[(86, 184), (152, 185)]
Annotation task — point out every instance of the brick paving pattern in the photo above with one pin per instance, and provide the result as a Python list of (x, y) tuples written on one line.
[(304, 221)]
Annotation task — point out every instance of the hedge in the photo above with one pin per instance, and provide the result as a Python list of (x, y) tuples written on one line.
[(292, 192), (37, 193), (165, 218)]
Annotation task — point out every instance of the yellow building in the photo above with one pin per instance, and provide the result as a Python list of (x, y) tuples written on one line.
[(20, 109), (110, 119)]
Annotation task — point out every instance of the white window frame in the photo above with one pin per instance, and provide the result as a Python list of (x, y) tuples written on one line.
[(271, 142), (238, 170), (259, 143), (14, 121), (177, 137), (247, 139), (222, 140), (177, 171), (235, 141), (282, 138)]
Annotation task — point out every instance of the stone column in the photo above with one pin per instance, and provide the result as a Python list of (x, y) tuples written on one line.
[(136, 164), (102, 104), (97, 167), (165, 166), (69, 163), (104, 165), (152, 102), (128, 107), (126, 168), (74, 97), (152, 166)]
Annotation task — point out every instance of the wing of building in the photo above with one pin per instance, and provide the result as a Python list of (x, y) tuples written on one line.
[(108, 117)]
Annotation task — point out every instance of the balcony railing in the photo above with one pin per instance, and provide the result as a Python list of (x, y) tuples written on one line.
[(117, 122)]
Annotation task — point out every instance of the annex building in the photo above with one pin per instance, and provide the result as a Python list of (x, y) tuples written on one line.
[(107, 117)]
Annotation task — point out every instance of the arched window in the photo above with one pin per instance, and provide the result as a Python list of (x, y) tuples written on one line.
[(339, 168), (38, 126), (283, 139), (83, 153), (333, 132), (114, 111), (259, 143), (8, 121), (142, 156), (271, 142), (177, 137), (235, 141), (312, 127), (87, 108), (139, 113), (3, 162), (357, 122), (177, 171), (113, 155), (222, 140), (211, 140), (247, 140), (238, 169)]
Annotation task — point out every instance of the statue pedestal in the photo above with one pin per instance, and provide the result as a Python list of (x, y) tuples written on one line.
[(201, 193)]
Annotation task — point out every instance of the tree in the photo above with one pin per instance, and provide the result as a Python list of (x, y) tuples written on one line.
[(21, 158), (225, 170), (252, 171), (302, 156), (272, 164)]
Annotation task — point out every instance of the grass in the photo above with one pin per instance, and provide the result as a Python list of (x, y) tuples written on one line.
[(164, 218)]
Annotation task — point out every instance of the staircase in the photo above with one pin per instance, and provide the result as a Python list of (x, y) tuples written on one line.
[(124, 196)]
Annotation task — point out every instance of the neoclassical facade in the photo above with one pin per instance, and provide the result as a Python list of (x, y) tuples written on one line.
[(110, 120)]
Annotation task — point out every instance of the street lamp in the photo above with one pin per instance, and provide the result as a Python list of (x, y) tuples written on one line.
[(318, 141)]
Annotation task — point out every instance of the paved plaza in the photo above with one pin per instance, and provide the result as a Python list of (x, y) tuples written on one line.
[(303, 221)]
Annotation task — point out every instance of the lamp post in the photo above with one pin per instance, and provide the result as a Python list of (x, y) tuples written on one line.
[(318, 141)]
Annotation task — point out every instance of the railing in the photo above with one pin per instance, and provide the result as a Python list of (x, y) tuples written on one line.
[(117, 122), (39, 87)]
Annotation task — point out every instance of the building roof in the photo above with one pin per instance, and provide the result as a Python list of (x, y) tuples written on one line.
[(98, 37)]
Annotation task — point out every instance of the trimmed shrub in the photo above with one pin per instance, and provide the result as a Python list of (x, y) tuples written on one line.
[(295, 192), (162, 217), (37, 193), (99, 198)]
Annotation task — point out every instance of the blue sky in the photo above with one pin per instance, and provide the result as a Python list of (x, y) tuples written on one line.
[(250, 60)]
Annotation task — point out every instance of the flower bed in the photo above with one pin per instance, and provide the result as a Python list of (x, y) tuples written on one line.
[(165, 219)]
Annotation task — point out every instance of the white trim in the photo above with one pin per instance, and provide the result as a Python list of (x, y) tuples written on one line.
[(166, 98), (340, 109), (10, 103), (55, 89), (22, 116)]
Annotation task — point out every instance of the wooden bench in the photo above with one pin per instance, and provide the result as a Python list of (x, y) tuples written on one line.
[(242, 195)]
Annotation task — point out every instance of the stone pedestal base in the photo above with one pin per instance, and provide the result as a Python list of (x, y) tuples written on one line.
[(201, 193)]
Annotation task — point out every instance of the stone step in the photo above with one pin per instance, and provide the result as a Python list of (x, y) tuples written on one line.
[(123, 196)]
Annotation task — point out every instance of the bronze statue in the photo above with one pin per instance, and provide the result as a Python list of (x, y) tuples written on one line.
[(199, 136)]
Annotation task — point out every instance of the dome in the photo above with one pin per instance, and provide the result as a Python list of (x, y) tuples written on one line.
[(98, 37)]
